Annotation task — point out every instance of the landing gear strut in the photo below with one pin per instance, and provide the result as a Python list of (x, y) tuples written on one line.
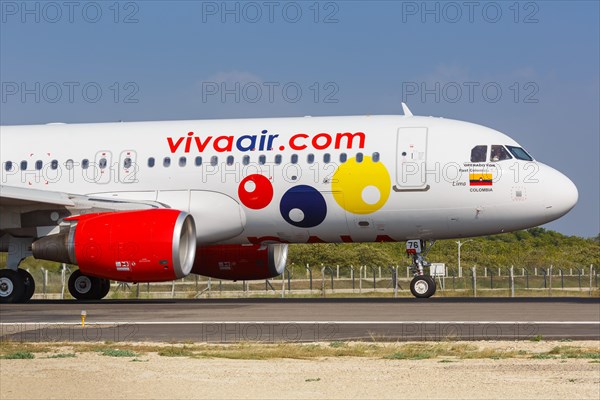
[(84, 287), (422, 286)]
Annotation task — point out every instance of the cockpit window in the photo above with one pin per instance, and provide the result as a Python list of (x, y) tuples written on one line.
[(499, 153), (478, 153), (519, 153)]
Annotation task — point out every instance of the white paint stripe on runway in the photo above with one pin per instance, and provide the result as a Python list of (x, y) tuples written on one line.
[(303, 323)]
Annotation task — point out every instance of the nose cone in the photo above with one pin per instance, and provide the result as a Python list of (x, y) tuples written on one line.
[(561, 193)]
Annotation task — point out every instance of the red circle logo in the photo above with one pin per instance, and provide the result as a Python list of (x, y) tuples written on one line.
[(255, 191)]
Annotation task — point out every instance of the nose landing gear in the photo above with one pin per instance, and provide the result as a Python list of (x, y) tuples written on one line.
[(422, 286)]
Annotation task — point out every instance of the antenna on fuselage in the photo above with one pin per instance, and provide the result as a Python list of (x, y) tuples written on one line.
[(406, 110)]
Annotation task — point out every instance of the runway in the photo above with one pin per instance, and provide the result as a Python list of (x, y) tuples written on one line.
[(302, 320)]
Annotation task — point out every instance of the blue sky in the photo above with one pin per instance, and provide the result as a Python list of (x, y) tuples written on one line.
[(529, 69)]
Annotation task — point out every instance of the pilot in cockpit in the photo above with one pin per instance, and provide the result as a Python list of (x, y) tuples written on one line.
[(499, 153)]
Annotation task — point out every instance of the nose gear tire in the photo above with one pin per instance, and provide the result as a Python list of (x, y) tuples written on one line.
[(422, 286)]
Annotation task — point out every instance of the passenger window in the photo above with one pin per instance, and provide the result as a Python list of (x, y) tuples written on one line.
[(54, 163), (69, 164), (246, 160), (127, 163), (326, 158), (278, 159), (499, 153), (8, 166), (229, 160), (214, 160), (359, 157), (343, 157), (85, 163), (478, 153), (375, 157), (39, 164), (310, 158), (198, 161), (151, 162), (182, 161), (294, 159), (167, 162), (23, 165), (519, 153), (262, 159)]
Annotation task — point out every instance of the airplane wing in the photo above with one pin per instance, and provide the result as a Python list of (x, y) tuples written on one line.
[(11, 196), (36, 222), (24, 210), (15, 196)]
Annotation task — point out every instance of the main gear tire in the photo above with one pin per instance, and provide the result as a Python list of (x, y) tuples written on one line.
[(12, 287), (84, 287), (29, 284)]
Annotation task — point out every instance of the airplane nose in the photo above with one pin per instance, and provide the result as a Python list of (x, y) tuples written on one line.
[(562, 194)]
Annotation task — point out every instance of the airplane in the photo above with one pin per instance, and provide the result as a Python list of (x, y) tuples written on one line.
[(156, 201)]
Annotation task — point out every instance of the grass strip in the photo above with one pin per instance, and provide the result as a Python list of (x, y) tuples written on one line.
[(18, 355), (266, 351)]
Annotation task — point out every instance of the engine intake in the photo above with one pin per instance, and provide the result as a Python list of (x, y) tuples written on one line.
[(134, 246)]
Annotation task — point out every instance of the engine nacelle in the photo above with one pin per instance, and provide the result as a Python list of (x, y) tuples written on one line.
[(134, 246), (240, 262)]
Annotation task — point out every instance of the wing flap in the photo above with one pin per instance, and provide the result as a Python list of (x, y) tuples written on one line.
[(15, 196)]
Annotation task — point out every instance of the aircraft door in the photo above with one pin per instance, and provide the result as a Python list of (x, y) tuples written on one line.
[(102, 167), (411, 159), (128, 167)]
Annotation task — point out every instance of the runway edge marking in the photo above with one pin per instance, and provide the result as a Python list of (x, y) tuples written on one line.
[(305, 322)]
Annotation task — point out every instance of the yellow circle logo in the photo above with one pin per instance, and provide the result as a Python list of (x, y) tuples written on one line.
[(361, 187)]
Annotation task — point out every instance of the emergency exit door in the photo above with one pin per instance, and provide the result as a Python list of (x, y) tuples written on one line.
[(411, 159)]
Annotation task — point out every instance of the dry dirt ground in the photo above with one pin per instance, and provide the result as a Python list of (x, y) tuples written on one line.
[(90, 375)]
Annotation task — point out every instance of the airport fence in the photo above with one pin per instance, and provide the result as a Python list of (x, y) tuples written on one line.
[(349, 281)]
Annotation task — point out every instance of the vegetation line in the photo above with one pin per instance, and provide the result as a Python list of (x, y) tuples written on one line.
[(262, 351)]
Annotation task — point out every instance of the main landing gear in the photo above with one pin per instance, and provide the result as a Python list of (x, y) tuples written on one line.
[(422, 286), (84, 287), (16, 286)]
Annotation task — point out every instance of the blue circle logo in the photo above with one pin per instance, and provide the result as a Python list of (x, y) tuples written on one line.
[(303, 206)]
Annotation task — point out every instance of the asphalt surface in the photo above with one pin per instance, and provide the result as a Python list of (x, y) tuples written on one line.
[(302, 320)]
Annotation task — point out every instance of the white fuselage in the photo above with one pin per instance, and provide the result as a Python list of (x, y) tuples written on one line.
[(312, 179)]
